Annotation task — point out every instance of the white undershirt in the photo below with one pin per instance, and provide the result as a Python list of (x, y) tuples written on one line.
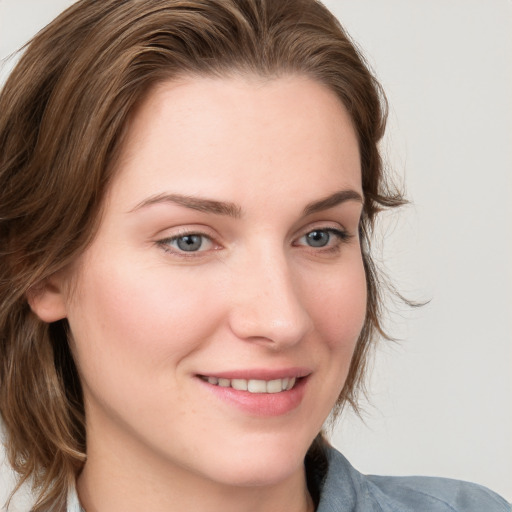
[(73, 505)]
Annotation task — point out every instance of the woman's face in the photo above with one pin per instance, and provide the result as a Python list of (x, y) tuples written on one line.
[(227, 258)]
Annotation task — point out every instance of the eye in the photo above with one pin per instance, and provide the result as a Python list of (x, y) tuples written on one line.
[(189, 242), (320, 238)]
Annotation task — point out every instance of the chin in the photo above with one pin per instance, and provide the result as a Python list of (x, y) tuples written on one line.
[(265, 473), (266, 463)]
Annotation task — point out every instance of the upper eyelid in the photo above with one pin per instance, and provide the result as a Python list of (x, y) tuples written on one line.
[(165, 245), (202, 231), (177, 232), (340, 233), (330, 226), (326, 225), (187, 233)]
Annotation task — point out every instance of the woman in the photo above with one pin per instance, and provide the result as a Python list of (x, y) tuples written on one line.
[(187, 190)]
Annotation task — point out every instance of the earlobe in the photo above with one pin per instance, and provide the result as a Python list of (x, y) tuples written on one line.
[(46, 299)]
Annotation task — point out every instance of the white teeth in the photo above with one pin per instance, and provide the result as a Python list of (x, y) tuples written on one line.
[(254, 385), (274, 386), (240, 384), (291, 383)]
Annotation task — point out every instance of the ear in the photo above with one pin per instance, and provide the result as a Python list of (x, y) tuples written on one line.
[(47, 299)]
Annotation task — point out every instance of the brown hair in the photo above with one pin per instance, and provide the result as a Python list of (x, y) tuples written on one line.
[(63, 111)]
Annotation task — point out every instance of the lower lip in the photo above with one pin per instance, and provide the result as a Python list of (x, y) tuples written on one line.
[(261, 404)]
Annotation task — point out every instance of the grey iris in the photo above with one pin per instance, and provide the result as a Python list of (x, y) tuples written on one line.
[(318, 238), (190, 242)]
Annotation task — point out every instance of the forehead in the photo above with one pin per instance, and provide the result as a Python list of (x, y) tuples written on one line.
[(238, 130)]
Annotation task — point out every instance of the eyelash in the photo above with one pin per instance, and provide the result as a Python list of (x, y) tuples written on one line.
[(165, 244), (342, 237)]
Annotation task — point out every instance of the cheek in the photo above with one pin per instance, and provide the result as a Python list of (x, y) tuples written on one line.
[(137, 320), (339, 307)]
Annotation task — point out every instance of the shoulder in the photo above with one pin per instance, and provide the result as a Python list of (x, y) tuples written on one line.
[(345, 489), (434, 495)]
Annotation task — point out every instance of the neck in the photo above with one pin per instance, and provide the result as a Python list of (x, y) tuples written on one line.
[(99, 493), (128, 480)]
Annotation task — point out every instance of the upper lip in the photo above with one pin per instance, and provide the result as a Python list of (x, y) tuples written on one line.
[(260, 373)]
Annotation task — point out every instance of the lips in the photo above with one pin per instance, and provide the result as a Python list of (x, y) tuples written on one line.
[(259, 393)]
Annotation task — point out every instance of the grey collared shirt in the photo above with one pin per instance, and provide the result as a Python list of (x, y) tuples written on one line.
[(346, 490)]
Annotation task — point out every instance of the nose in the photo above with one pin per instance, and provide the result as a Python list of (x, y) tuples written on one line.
[(267, 305)]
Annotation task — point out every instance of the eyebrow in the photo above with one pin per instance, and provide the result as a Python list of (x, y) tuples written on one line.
[(233, 210), (194, 203), (333, 200)]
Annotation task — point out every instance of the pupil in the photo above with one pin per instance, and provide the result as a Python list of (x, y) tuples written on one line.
[(318, 238), (190, 242)]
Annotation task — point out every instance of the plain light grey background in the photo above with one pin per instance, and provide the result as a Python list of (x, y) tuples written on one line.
[(441, 398)]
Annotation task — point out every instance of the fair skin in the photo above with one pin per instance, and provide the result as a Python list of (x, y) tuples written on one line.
[(217, 257)]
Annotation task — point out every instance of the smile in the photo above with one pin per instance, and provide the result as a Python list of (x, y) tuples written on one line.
[(253, 385)]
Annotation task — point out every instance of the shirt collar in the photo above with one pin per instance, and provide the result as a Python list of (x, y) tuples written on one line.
[(73, 505)]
